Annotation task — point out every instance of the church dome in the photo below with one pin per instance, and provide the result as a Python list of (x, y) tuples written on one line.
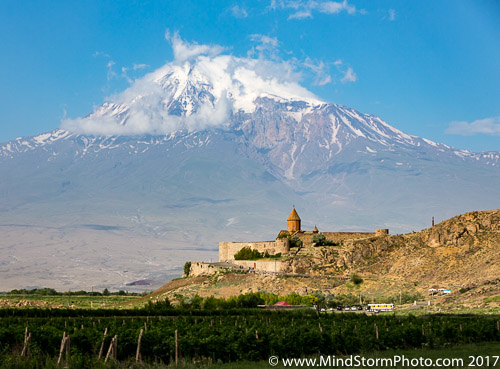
[(294, 215)]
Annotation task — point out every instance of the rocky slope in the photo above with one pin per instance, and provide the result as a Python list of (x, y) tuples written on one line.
[(461, 253)]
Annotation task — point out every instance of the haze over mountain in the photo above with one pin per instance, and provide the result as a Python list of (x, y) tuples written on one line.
[(213, 147)]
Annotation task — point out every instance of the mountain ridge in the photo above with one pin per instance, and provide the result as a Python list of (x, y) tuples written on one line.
[(219, 168)]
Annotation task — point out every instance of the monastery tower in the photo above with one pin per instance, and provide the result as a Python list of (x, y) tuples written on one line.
[(293, 222)]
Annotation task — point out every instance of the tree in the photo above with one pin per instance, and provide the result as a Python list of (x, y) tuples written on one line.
[(250, 300), (295, 242), (187, 268), (105, 292), (210, 303)]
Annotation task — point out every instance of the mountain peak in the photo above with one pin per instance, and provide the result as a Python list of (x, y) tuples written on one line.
[(194, 94)]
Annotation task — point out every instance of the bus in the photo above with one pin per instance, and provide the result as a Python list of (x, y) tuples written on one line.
[(380, 307)]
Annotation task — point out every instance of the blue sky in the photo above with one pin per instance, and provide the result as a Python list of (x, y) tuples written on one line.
[(429, 68)]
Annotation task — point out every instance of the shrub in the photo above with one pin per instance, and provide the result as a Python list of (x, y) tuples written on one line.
[(320, 240), (284, 234), (356, 279), (246, 253), (187, 268)]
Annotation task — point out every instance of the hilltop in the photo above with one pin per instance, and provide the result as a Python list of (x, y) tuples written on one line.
[(461, 253)]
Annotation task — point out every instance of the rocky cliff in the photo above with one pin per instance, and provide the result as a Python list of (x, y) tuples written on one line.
[(462, 250)]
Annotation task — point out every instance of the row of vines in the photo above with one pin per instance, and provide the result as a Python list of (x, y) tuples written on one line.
[(241, 335)]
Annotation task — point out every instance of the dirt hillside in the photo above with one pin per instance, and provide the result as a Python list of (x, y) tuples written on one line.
[(461, 253)]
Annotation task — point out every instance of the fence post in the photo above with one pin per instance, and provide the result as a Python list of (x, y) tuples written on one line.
[(138, 353), (176, 348), (102, 343), (63, 344), (113, 346), (27, 340), (68, 348)]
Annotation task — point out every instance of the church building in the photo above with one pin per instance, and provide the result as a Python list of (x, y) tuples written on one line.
[(293, 222)]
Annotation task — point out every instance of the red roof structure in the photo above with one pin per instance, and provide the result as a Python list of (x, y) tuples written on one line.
[(282, 303)]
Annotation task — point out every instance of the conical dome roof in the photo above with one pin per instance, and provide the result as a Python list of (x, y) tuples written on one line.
[(294, 215)]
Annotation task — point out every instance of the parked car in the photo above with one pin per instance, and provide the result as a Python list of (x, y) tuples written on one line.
[(360, 307), (354, 308), (339, 307)]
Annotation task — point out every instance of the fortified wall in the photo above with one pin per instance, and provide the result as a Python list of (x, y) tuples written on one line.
[(199, 268), (337, 237), (228, 249), (266, 266)]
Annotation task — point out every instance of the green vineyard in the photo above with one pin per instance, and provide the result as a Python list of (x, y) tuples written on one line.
[(226, 335)]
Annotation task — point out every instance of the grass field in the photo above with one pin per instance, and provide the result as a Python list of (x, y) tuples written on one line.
[(63, 301), (467, 353)]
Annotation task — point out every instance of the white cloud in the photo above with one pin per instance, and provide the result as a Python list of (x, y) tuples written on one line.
[(349, 76), (320, 70), (239, 12), (185, 51), (266, 46), (301, 15), (487, 126), (266, 41), (110, 66), (304, 9), (392, 15), (111, 73), (333, 7), (135, 67), (139, 66), (100, 53), (225, 84)]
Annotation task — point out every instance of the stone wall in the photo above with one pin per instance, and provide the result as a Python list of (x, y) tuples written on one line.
[(200, 268), (382, 232), (306, 237), (228, 249), (267, 266)]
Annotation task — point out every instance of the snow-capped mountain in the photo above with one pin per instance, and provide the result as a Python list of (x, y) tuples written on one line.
[(195, 153)]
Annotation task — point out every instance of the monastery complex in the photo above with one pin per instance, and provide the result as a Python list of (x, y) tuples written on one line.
[(282, 245)]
